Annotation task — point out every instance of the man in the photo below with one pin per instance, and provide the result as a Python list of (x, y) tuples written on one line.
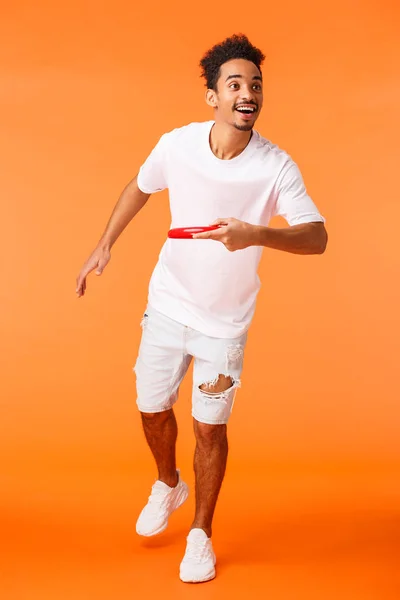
[(203, 292)]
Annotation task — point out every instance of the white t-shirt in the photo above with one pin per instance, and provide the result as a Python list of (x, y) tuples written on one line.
[(199, 283)]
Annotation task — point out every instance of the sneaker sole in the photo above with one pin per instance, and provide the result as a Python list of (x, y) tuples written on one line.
[(207, 578), (179, 500)]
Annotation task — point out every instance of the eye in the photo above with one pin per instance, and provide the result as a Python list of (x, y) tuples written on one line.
[(257, 87), (234, 84)]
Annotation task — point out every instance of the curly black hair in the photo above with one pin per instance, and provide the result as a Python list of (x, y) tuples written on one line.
[(236, 46)]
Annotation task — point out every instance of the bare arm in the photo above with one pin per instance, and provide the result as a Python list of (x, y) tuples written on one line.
[(129, 204), (308, 238)]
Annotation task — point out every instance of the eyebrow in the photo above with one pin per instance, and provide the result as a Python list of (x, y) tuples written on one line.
[(237, 76)]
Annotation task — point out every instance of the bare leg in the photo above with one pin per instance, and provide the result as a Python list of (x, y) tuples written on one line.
[(210, 460), (161, 432)]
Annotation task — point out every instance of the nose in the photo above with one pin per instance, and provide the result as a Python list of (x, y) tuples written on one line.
[(248, 96)]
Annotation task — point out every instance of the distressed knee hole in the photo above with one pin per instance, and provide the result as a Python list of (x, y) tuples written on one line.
[(219, 385), (214, 401), (219, 389)]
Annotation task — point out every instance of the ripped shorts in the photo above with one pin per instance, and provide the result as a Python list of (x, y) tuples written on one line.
[(165, 353)]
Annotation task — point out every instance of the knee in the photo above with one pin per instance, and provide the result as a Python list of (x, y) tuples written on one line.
[(155, 419), (209, 435)]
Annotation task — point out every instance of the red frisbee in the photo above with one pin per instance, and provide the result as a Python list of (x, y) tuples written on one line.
[(184, 233)]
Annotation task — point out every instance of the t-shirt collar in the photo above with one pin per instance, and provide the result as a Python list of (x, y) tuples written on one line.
[(232, 161)]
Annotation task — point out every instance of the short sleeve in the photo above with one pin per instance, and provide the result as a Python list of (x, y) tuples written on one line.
[(292, 202), (152, 174)]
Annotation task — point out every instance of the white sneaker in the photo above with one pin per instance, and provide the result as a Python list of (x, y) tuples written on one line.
[(162, 502), (198, 564)]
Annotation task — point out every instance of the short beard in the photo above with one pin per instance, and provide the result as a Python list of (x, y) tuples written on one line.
[(248, 127)]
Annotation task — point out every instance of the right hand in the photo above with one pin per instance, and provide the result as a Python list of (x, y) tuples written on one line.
[(98, 260)]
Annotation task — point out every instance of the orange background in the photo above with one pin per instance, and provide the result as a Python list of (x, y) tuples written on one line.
[(310, 505)]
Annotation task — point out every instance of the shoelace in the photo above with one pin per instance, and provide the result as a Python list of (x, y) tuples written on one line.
[(197, 551), (156, 498)]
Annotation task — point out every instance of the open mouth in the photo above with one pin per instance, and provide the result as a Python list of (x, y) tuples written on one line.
[(246, 110)]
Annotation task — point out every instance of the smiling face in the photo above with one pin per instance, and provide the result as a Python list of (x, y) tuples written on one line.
[(239, 95)]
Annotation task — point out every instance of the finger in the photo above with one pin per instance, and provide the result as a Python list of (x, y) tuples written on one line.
[(220, 222), (78, 284), (80, 291), (214, 234), (82, 275), (201, 236), (86, 269), (207, 235)]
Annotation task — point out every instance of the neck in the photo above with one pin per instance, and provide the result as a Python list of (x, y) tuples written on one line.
[(226, 142)]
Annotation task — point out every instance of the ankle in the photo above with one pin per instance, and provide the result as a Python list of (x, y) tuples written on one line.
[(170, 479), (206, 528)]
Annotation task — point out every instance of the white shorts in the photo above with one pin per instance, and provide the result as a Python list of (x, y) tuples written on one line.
[(165, 353)]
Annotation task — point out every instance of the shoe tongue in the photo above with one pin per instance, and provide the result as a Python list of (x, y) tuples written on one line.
[(197, 535)]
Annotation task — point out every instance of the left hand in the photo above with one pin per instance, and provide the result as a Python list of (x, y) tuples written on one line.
[(234, 234)]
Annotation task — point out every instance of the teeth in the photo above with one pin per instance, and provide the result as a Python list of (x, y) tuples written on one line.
[(246, 108)]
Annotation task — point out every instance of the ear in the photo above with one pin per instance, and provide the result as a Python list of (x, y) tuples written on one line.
[(211, 98)]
